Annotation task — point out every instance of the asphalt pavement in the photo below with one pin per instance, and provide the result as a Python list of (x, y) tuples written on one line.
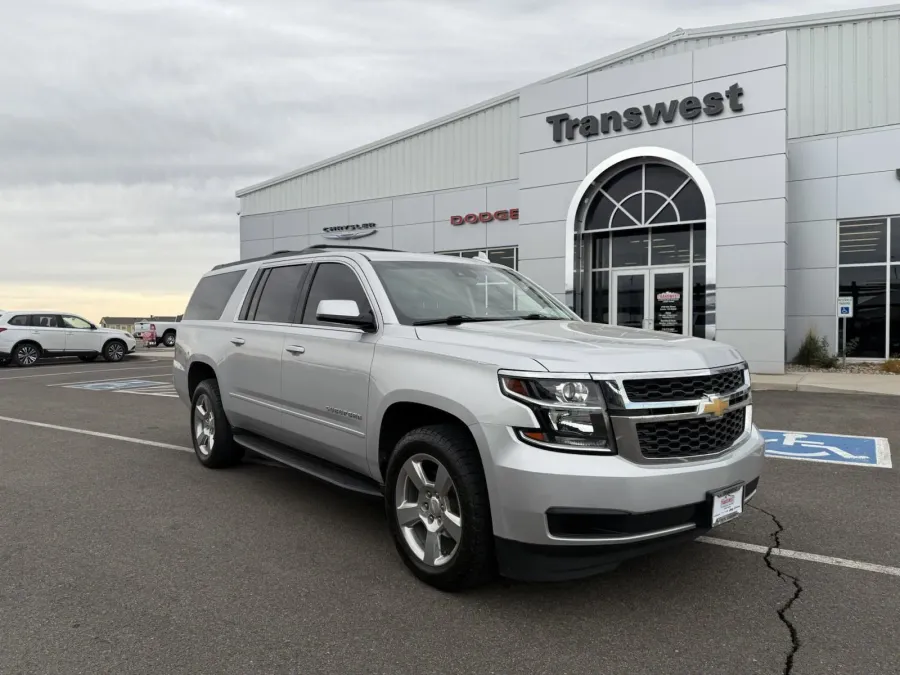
[(120, 554)]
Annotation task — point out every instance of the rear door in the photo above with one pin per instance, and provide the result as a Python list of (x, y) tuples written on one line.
[(48, 331), (251, 371), (325, 370)]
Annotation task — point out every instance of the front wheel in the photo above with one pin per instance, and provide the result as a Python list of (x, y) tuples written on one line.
[(114, 351), (438, 509), (213, 439)]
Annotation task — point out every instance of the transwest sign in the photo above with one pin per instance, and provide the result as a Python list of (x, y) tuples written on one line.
[(688, 108), (349, 231), (485, 217)]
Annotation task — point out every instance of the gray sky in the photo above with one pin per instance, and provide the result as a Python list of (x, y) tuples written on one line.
[(127, 125)]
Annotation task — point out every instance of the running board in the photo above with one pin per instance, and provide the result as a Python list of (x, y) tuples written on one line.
[(309, 465)]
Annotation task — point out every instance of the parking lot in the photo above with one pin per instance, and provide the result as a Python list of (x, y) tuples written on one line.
[(121, 554)]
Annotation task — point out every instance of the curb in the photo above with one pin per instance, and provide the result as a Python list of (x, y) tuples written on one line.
[(816, 389)]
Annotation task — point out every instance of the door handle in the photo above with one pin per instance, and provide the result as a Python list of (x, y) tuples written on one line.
[(237, 341), (294, 349)]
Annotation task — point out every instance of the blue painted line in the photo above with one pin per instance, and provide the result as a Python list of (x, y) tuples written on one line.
[(830, 448)]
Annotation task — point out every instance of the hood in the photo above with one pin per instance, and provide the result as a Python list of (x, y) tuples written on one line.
[(578, 346)]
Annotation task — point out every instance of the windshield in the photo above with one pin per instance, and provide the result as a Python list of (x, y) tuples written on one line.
[(428, 290)]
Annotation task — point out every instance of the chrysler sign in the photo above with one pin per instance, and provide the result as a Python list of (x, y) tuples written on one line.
[(349, 231), (485, 217), (688, 108)]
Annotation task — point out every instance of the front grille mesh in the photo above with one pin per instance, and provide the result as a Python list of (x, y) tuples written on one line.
[(691, 437), (669, 389)]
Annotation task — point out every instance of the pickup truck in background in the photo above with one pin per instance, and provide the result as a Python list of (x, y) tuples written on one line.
[(165, 331)]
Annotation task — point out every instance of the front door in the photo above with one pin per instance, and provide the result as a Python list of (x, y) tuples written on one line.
[(653, 299), (81, 338), (669, 301), (630, 299)]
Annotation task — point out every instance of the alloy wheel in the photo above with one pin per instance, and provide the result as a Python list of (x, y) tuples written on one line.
[(204, 425), (115, 351), (28, 355), (428, 510)]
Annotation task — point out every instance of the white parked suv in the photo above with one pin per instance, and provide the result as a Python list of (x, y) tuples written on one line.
[(29, 335)]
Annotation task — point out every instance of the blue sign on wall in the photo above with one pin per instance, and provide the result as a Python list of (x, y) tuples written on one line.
[(832, 448)]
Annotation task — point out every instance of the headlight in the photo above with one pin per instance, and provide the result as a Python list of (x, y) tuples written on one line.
[(571, 413)]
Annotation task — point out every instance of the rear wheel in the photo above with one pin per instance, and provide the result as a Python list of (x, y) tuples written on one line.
[(210, 430), (438, 508), (114, 351), (26, 354), (169, 339)]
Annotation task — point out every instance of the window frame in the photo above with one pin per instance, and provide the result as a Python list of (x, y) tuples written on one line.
[(300, 308), (890, 222), (251, 301)]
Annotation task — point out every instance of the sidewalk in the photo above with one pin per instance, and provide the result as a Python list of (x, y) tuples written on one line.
[(834, 383)]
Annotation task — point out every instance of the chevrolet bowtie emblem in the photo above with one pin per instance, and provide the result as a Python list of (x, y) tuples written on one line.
[(714, 405)]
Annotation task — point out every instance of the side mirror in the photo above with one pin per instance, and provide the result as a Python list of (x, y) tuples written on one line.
[(344, 312)]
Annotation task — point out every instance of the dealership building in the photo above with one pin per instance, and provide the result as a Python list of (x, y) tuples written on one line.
[(728, 182)]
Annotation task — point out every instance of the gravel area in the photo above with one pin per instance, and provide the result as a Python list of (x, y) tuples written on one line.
[(859, 368)]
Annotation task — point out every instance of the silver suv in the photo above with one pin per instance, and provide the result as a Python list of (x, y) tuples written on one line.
[(502, 432)]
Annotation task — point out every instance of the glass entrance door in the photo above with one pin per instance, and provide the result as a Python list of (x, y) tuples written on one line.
[(651, 299), (669, 300), (630, 299)]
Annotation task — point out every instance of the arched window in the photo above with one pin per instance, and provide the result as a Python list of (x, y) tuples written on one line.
[(643, 194)]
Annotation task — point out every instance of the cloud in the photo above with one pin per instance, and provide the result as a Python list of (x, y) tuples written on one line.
[(126, 127)]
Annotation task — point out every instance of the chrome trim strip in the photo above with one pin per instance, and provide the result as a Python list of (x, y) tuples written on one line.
[(750, 496), (624, 539), (543, 375), (600, 452), (294, 413), (667, 374)]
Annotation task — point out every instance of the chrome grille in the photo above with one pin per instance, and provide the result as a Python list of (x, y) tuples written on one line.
[(676, 439), (669, 389)]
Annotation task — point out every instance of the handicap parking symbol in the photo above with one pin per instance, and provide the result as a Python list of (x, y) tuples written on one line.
[(832, 448), (115, 385)]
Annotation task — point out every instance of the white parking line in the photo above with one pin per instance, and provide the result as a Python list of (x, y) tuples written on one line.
[(97, 434), (108, 379), (752, 548), (809, 557), (77, 372)]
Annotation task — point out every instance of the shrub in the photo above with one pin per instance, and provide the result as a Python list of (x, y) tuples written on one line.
[(891, 366), (814, 352)]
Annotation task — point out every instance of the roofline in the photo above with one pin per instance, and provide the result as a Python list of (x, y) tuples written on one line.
[(769, 25)]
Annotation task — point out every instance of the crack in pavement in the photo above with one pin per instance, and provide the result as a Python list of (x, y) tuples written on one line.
[(798, 590)]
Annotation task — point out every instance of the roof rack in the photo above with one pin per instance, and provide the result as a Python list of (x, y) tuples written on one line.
[(316, 248)]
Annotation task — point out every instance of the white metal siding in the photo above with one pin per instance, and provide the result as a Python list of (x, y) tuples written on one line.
[(481, 148), (841, 77)]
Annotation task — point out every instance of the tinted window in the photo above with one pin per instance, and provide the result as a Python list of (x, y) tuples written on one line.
[(863, 242), (20, 320), (334, 281), (868, 288), (211, 295), (45, 320), (276, 302)]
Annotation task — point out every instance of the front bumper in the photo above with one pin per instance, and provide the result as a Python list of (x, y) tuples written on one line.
[(559, 515)]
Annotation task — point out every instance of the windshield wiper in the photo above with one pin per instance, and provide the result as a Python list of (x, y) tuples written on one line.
[(540, 317), (457, 319)]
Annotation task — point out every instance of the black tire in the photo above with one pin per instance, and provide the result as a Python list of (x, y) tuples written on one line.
[(114, 351), (224, 451), (473, 563), (168, 338), (26, 354), (89, 359)]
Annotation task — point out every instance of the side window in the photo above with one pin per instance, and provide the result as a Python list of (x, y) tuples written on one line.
[(279, 294), (45, 320), (20, 320), (251, 300), (76, 322), (211, 295), (334, 281)]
